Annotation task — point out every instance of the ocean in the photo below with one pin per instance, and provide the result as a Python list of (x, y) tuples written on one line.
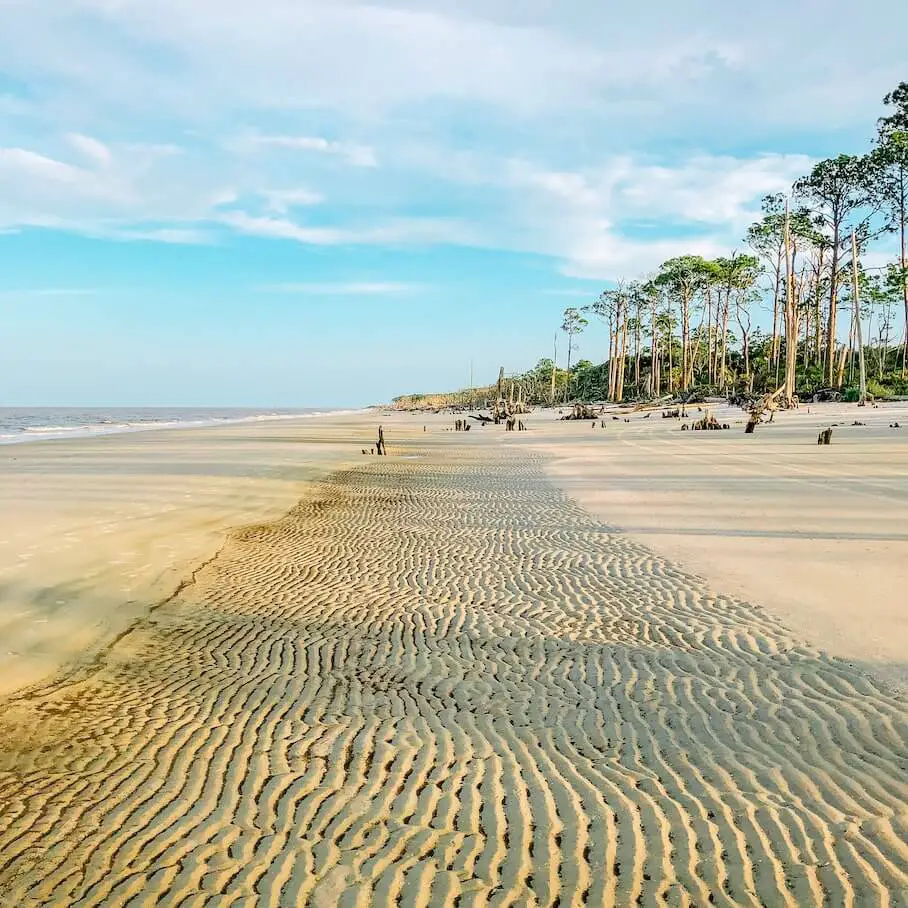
[(21, 424)]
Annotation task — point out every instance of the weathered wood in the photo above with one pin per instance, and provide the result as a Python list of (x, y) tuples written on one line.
[(380, 445)]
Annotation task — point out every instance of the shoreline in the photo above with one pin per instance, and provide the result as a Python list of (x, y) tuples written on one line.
[(100, 430)]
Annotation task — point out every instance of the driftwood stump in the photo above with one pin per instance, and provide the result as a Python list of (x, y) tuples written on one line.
[(825, 437), (380, 446)]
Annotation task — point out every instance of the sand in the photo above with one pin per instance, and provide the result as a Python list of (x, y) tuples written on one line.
[(94, 531), (819, 535), (439, 680)]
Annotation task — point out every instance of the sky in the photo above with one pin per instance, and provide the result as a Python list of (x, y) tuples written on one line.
[(326, 203)]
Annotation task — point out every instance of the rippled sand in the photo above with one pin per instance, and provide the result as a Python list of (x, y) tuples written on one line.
[(438, 681)]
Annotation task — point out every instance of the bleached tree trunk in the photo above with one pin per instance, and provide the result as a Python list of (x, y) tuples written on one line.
[(862, 369), (831, 325), (791, 318), (724, 339)]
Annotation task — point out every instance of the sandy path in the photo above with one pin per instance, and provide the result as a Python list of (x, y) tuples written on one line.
[(439, 682)]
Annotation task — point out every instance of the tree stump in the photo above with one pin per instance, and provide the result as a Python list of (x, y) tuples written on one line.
[(380, 446), (825, 437)]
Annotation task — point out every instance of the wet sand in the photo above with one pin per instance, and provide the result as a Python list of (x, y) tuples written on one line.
[(438, 680), (94, 531)]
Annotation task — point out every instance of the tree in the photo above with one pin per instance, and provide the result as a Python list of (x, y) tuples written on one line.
[(682, 277), (836, 189), (897, 121), (889, 165), (572, 325), (611, 308), (735, 276)]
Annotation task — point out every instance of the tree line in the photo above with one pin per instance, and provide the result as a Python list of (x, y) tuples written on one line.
[(836, 324)]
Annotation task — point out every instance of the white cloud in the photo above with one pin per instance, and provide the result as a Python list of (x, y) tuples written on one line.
[(353, 154), (508, 124), (96, 152), (375, 288), (282, 229), (281, 201), (20, 163), (394, 232)]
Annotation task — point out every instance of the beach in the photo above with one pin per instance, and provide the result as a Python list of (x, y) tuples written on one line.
[(248, 665)]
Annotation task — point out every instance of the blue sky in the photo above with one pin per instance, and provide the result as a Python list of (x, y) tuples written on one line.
[(328, 203)]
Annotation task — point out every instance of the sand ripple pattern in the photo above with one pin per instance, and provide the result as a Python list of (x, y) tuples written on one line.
[(439, 682)]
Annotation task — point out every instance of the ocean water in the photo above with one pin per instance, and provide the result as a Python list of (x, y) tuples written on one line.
[(21, 424)]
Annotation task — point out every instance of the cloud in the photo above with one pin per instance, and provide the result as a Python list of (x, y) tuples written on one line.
[(394, 232), (96, 152), (590, 293), (375, 288), (572, 131), (352, 154), (281, 201)]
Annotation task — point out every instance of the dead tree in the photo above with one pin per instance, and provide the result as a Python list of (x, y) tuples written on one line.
[(380, 446), (768, 403)]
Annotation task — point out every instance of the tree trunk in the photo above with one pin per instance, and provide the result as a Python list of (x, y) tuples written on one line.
[(710, 371), (833, 300), (791, 319), (745, 342), (818, 311), (862, 373), (685, 338), (623, 358), (724, 339), (904, 263), (654, 352), (776, 296), (554, 370)]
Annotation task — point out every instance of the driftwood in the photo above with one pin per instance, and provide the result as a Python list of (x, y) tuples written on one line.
[(708, 423), (481, 418), (825, 437), (768, 403), (380, 445), (582, 411)]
